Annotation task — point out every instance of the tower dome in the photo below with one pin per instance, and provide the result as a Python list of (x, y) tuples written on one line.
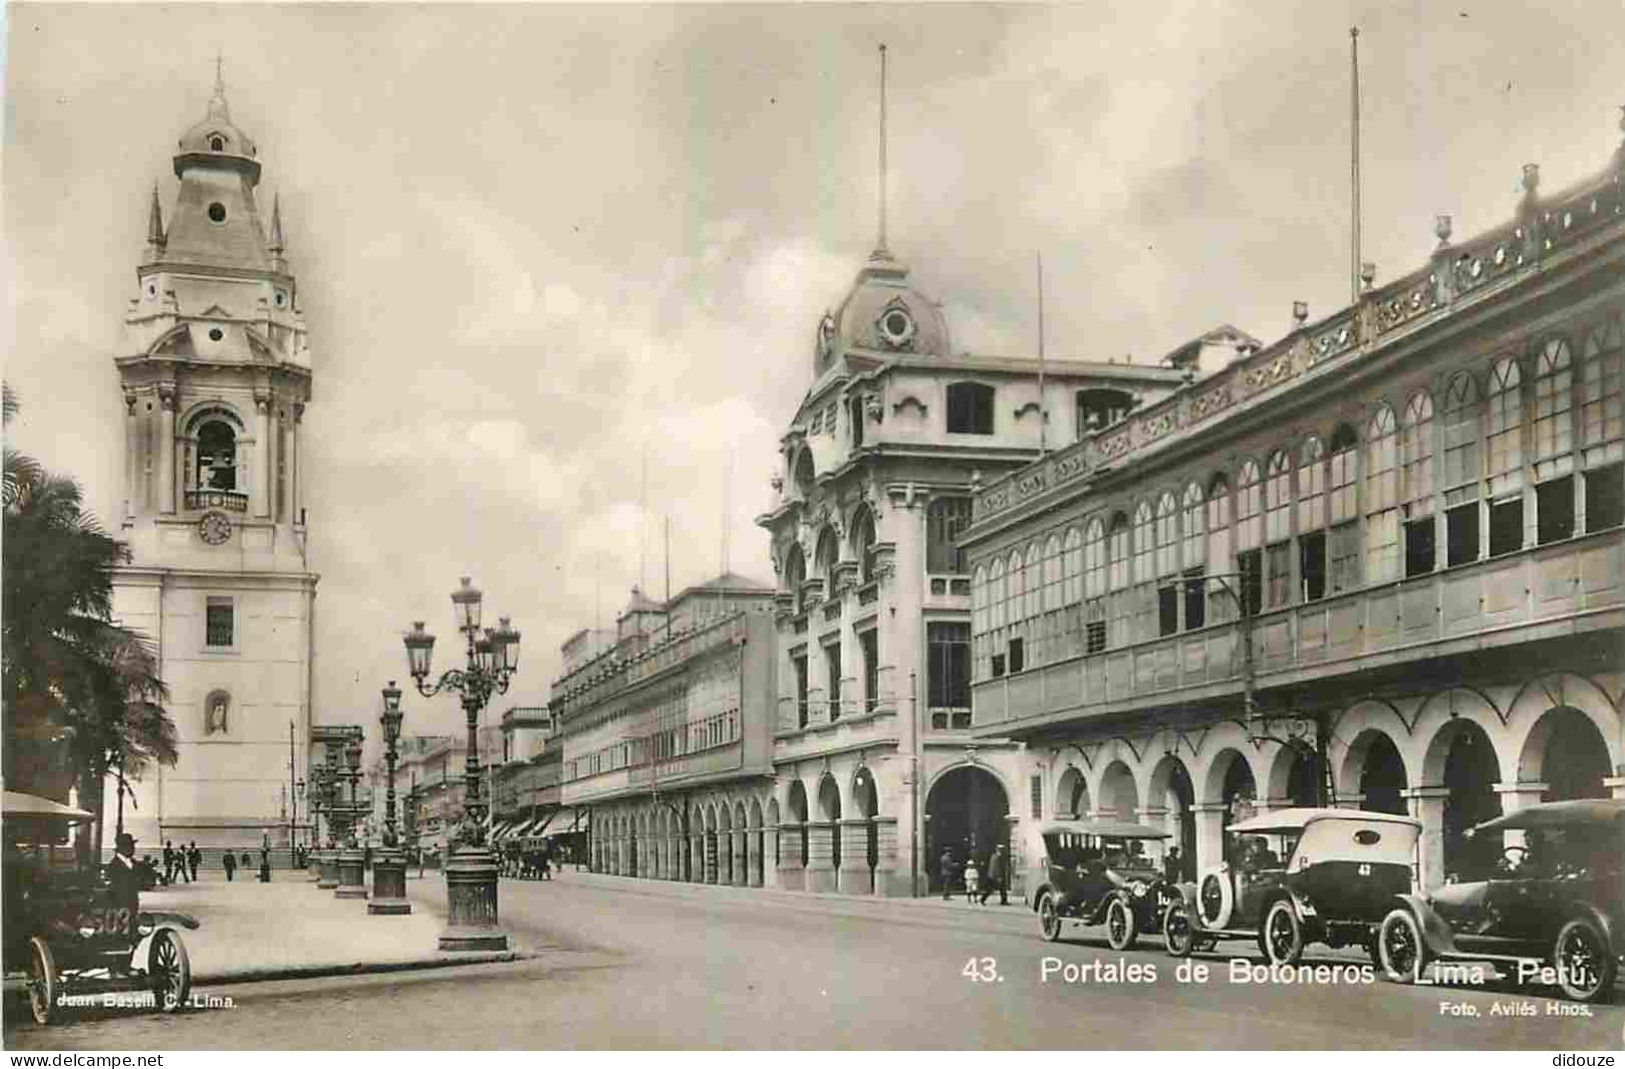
[(883, 313), (218, 142)]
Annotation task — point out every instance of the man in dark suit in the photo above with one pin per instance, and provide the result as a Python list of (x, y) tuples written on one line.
[(123, 881), (169, 861), (947, 872), (998, 875)]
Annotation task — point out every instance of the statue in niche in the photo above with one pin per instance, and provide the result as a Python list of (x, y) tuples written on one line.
[(216, 709)]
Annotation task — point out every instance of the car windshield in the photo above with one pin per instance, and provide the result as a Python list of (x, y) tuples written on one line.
[(1258, 851), (1574, 850), (1070, 849)]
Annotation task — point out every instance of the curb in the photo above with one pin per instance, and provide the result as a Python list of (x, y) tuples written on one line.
[(363, 968)]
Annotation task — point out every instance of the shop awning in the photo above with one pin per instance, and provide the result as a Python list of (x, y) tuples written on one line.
[(500, 830), (566, 820)]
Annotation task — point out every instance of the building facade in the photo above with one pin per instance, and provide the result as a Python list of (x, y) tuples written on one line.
[(216, 377), (877, 773), (431, 770), (1378, 564), (667, 737)]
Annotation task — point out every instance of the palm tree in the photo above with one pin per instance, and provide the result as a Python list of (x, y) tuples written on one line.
[(82, 695)]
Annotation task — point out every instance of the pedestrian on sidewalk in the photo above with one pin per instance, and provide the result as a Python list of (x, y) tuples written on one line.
[(169, 861), (997, 876), (972, 880), (229, 863), (194, 859), (265, 864), (946, 872), (1170, 865)]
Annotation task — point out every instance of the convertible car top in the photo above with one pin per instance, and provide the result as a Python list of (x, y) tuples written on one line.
[(1117, 829), (1579, 811), (1302, 816)]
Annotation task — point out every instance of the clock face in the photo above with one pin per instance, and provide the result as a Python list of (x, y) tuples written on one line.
[(214, 527)]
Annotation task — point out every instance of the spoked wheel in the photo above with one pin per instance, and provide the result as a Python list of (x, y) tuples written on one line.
[(1400, 949), (1121, 930), (1177, 937), (1283, 934), (1585, 971), (44, 981), (169, 970), (1049, 918)]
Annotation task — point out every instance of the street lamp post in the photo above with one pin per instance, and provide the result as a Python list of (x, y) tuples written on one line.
[(471, 869), (352, 860), (389, 864), (328, 866), (313, 814), (293, 825)]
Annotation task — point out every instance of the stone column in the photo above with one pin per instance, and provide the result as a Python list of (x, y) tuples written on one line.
[(791, 870), (696, 858), (770, 855), (296, 486), (854, 860), (132, 458), (710, 857), (1427, 805), (1615, 785), (262, 456), (741, 858), (1209, 834), (820, 855), (1516, 796), (1346, 800), (891, 873), (1271, 805), (166, 449)]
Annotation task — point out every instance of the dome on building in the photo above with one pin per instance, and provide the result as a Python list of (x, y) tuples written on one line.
[(883, 313), (217, 136)]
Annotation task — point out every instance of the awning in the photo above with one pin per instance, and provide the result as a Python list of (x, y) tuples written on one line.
[(566, 820), (501, 830)]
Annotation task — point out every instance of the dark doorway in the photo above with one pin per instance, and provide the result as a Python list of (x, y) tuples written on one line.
[(965, 814), (1470, 775), (1574, 757), (1383, 777)]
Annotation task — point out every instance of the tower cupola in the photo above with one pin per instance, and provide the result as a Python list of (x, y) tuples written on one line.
[(217, 142)]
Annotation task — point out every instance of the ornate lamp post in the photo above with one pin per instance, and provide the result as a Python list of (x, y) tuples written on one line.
[(389, 864), (471, 870), (352, 859), (328, 865)]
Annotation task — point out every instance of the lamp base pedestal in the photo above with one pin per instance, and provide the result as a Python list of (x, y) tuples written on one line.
[(471, 900), (327, 870), (313, 867), (389, 884), (352, 874)]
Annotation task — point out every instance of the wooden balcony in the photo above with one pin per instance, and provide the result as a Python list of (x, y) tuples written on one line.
[(230, 500), (1561, 589)]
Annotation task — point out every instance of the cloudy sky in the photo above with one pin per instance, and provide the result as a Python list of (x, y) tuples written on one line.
[(550, 255)]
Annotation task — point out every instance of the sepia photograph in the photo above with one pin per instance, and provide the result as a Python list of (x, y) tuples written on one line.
[(813, 526)]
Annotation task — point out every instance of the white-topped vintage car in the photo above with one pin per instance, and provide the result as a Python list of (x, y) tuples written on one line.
[(1295, 877)]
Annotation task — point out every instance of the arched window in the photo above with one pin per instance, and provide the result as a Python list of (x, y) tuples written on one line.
[(1195, 542), (803, 475), (1218, 524), (978, 600), (1505, 430), (216, 456), (1382, 513), (1278, 498), (1118, 552), (1017, 589), (1143, 543), (829, 554), (996, 595), (1072, 568), (1167, 535), (1249, 508), (795, 573), (1461, 437), (1052, 573), (1416, 445), (1343, 484), (1554, 414), (1094, 560), (1034, 571), (1311, 485), (863, 542), (1601, 418)]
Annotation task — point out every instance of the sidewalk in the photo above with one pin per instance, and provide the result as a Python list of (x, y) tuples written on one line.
[(288, 928)]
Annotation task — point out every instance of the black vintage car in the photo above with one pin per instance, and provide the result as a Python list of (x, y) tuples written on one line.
[(1551, 909), (1099, 872), (1295, 877)]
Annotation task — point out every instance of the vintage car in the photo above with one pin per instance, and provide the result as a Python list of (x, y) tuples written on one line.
[(1098, 872), (1551, 909), (1296, 877)]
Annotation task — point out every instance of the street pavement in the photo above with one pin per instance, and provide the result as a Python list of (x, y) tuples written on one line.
[(644, 964)]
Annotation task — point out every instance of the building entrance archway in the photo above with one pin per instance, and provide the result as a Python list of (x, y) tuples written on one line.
[(1566, 752), (965, 813), (1382, 779), (1471, 772)]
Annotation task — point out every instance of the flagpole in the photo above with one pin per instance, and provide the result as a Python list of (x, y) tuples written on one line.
[(1042, 413), (1354, 164)]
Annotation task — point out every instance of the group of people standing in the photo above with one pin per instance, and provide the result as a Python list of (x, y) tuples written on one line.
[(979, 881), (184, 861)]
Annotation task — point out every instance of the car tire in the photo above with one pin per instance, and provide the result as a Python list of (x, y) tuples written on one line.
[(1585, 968), (169, 971), (1122, 929), (1215, 899), (1281, 934), (1177, 936), (44, 981), (1402, 952), (1049, 918)]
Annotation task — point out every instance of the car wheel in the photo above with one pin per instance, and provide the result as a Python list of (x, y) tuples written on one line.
[(1177, 936), (1585, 969), (1214, 899), (1049, 918), (169, 970), (1121, 929), (1282, 934), (43, 980), (1401, 951)]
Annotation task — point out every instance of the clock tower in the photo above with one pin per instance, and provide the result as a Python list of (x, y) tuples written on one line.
[(216, 374)]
